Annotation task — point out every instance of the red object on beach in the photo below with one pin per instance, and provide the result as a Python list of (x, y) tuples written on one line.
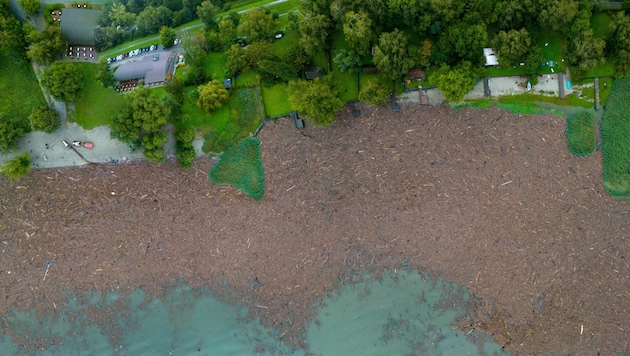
[(88, 144)]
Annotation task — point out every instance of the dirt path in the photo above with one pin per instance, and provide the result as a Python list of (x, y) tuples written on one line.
[(489, 200)]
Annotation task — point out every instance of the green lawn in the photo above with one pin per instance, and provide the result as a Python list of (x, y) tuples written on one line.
[(97, 105), (284, 7), (614, 129), (346, 82), (599, 23), (580, 133), (21, 91), (605, 88), (276, 100), (214, 65), (606, 69), (203, 122), (553, 45), (247, 78)]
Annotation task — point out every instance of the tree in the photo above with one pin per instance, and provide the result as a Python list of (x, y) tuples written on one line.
[(317, 99), (227, 32), (11, 33), (63, 80), (464, 42), (120, 17), (512, 46), (236, 59), (315, 33), (186, 153), (620, 41), (206, 12), (17, 167), (11, 130), (557, 14), (348, 61), (357, 29), (30, 6), (47, 46), (585, 50), (196, 49), (152, 18), (212, 96), (257, 24), (391, 56), (374, 93), (175, 87), (167, 36), (45, 119), (273, 71), (143, 115), (258, 51), (104, 75), (455, 82)]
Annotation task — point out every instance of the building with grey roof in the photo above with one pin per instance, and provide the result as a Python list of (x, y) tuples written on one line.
[(153, 71), (77, 25)]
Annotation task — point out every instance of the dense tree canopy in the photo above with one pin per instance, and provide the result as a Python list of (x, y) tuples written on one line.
[(256, 24), (167, 36), (455, 82), (212, 96), (11, 34), (391, 55), (30, 6), (45, 119), (620, 40), (17, 167), (317, 99), (348, 61), (63, 80), (206, 12), (357, 29), (236, 58), (151, 19), (512, 46), (45, 47), (143, 115), (11, 130), (315, 33)]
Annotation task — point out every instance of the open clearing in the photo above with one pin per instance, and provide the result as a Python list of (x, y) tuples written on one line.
[(486, 199)]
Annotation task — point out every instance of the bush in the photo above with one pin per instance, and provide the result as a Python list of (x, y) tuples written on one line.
[(616, 141), (45, 119), (240, 165), (17, 167), (581, 134), (184, 146)]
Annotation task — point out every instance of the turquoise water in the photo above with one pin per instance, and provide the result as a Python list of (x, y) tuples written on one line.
[(399, 314)]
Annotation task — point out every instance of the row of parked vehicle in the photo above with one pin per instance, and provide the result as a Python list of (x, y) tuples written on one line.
[(135, 52)]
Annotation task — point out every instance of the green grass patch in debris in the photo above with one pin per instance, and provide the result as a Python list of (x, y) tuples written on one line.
[(476, 103), (241, 166), (580, 133), (19, 87), (276, 100), (615, 126), (96, 104), (571, 100)]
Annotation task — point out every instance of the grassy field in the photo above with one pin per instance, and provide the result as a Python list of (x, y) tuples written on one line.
[(276, 100), (605, 88), (241, 167), (247, 78), (21, 91), (347, 83), (244, 116), (581, 133), (615, 126), (203, 122), (96, 105), (215, 65), (600, 22), (553, 44)]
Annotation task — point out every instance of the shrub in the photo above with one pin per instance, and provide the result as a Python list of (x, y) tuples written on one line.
[(17, 167), (241, 166), (581, 134), (616, 141), (45, 119)]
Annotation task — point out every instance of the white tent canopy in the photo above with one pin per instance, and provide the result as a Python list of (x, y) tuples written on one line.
[(491, 57)]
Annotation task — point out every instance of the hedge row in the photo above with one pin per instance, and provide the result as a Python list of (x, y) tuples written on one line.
[(581, 133), (615, 131)]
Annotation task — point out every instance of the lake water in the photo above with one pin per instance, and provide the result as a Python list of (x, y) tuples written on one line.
[(401, 313)]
